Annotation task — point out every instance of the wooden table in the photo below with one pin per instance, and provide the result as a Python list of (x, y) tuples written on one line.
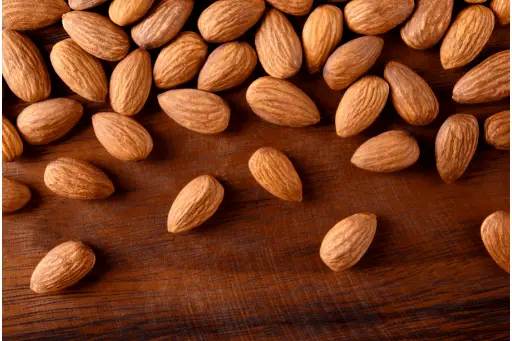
[(253, 272)]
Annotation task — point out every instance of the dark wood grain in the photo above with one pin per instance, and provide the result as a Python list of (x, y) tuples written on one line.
[(253, 272)]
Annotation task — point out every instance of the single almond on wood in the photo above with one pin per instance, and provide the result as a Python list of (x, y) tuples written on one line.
[(345, 244), (376, 16), (495, 232), (15, 195), (293, 7), (80, 5), (22, 15), (497, 130), (502, 10), (63, 266), (126, 12), (12, 146), (195, 204)]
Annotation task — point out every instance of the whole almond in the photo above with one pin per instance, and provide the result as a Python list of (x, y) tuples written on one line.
[(23, 67), (22, 15), (80, 5), (63, 266), (502, 10), (47, 121), (428, 24), (495, 232), (122, 136), (130, 83), (345, 244), (12, 146), (321, 34), (197, 110), (275, 173), (456, 144), (97, 35), (360, 106), (226, 20), (162, 23), (195, 204), (278, 46), (229, 65), (180, 61), (487, 82), (82, 72), (280, 102), (351, 60), (467, 36), (376, 16), (497, 130), (126, 12), (77, 179), (412, 97), (293, 7), (15, 195)]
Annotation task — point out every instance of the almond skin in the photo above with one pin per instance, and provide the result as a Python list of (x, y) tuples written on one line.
[(23, 67), (180, 61), (15, 195), (456, 144), (227, 20), (130, 83), (195, 204), (278, 46), (229, 65), (489, 81), (502, 10), (293, 7), (126, 12), (12, 146), (321, 34), (467, 36), (345, 244), (63, 266), (22, 15), (162, 23), (275, 173), (351, 60), (497, 130), (360, 106), (97, 35), (495, 232), (280, 102), (197, 110), (47, 121), (80, 5), (81, 72), (412, 97)]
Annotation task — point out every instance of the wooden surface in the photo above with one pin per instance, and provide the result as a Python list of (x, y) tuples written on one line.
[(253, 272)]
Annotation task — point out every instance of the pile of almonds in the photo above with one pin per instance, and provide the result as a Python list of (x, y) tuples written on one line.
[(281, 52)]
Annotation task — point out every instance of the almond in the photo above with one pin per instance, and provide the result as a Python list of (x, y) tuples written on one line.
[(280, 102), (63, 266), (487, 82), (162, 23), (80, 5), (195, 204), (122, 136), (25, 15), (497, 130), (351, 60), (293, 7), (467, 36), (229, 65), (278, 46), (495, 233), (97, 35), (130, 83), (456, 144), (321, 34), (376, 16), (227, 20), (15, 195), (361, 104), (81, 72), (275, 173), (47, 121), (345, 244), (180, 61), (197, 110), (413, 99), (126, 12), (23, 67), (502, 10), (12, 146)]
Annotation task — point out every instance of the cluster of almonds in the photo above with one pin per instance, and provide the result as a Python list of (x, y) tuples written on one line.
[(280, 52)]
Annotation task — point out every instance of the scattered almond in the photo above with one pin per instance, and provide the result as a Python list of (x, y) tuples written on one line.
[(22, 15), (126, 12), (502, 10), (15, 195), (495, 232), (293, 7), (80, 5), (497, 130), (12, 146)]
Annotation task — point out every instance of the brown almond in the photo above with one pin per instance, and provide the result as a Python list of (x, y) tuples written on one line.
[(126, 12), (22, 15), (12, 146), (495, 232), (15, 195), (502, 10), (293, 7), (376, 16), (497, 130), (80, 5)]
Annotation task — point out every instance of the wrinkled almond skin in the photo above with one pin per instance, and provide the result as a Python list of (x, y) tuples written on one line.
[(12, 146), (456, 144), (345, 244), (489, 81), (497, 130), (280, 102), (81, 72), (22, 15), (80, 5), (292, 7), (361, 104), (227, 20), (47, 121), (23, 67), (180, 61), (495, 232), (126, 12), (195, 204), (502, 10), (63, 266), (412, 97), (351, 60), (321, 34), (197, 110), (122, 136), (467, 36), (15, 195), (229, 65)]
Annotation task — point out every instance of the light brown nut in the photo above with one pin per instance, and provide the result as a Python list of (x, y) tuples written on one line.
[(497, 130), (126, 12), (495, 232), (502, 10), (22, 15), (12, 146), (293, 7), (15, 195), (80, 5)]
